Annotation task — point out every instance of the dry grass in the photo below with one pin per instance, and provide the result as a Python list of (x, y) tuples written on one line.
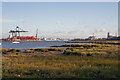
[(65, 66)]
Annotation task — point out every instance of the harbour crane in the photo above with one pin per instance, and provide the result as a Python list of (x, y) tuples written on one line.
[(17, 31)]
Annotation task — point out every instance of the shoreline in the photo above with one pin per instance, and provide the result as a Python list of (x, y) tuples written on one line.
[(62, 48)]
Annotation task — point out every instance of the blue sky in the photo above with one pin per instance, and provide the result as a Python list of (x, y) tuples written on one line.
[(61, 19)]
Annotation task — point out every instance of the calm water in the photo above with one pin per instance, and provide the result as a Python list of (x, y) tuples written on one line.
[(33, 44)]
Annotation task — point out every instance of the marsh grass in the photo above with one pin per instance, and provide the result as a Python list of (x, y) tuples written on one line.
[(92, 50), (41, 49), (47, 49), (116, 42), (55, 49), (98, 61), (8, 51), (60, 66)]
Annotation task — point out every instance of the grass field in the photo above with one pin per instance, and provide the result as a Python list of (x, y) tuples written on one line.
[(77, 61)]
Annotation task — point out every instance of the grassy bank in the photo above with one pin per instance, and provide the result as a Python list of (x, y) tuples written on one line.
[(116, 42), (76, 64), (92, 50), (19, 51)]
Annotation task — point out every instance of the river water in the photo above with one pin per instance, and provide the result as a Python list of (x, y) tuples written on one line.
[(33, 44)]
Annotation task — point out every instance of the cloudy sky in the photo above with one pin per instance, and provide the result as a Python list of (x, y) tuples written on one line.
[(61, 19)]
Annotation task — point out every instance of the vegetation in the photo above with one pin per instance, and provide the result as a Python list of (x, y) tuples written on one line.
[(42, 49), (55, 49), (8, 51), (92, 50), (116, 42), (60, 67), (77, 61)]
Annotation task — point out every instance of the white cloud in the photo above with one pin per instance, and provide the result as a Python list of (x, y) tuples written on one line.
[(100, 33), (101, 30), (64, 34)]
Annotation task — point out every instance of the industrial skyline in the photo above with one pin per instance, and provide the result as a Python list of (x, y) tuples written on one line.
[(61, 19)]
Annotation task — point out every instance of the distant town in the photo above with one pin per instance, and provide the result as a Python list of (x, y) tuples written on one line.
[(15, 36)]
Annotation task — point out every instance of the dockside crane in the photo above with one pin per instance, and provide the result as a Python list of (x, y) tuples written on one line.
[(16, 32)]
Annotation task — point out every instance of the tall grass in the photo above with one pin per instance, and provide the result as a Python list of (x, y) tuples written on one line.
[(7, 51), (92, 50), (60, 67), (98, 61)]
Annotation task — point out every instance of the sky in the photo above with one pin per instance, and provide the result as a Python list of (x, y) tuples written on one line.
[(61, 19), (60, 0)]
